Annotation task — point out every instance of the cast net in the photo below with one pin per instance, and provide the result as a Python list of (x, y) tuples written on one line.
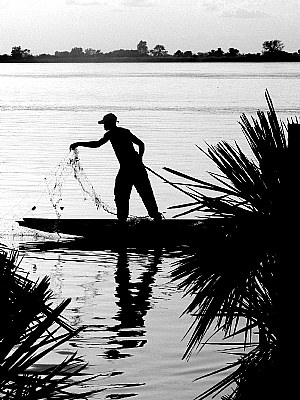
[(71, 164)]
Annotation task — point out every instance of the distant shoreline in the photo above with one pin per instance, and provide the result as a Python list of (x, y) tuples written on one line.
[(104, 59)]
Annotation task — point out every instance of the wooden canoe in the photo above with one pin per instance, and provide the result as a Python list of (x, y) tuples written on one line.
[(109, 231)]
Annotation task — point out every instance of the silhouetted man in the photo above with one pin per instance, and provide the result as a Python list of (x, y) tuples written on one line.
[(132, 171)]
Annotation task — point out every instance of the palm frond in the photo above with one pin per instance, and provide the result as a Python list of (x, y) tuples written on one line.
[(233, 275), (30, 330)]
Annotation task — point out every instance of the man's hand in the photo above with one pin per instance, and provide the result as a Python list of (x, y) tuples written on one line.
[(73, 146)]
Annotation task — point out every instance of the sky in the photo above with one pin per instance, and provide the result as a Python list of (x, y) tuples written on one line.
[(46, 26)]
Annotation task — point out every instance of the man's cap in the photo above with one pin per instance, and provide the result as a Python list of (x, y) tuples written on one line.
[(108, 118)]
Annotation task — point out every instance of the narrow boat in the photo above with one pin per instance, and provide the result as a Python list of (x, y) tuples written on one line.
[(141, 231)]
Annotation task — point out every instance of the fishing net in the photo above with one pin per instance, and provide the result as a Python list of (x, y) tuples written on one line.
[(71, 164), (11, 232), (86, 185), (55, 182)]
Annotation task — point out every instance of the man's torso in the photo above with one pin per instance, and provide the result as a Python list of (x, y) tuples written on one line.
[(121, 141)]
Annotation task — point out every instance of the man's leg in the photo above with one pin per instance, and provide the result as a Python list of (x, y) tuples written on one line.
[(123, 186), (144, 189)]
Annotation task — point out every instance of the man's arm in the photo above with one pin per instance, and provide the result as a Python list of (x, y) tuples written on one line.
[(140, 144), (92, 144)]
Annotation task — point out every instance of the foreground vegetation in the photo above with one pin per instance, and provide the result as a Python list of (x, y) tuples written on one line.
[(236, 274), (30, 330)]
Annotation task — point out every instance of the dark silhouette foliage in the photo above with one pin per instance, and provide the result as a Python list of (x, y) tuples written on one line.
[(235, 273), (142, 47), (30, 329), (272, 46), (272, 51), (18, 54), (159, 51)]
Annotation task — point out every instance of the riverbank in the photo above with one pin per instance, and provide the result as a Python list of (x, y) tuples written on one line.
[(167, 59)]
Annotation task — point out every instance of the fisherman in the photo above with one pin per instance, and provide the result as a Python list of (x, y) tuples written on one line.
[(132, 171)]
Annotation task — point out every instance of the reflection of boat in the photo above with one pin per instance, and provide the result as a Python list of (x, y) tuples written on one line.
[(136, 231)]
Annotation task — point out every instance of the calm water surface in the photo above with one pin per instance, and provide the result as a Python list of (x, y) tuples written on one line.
[(134, 335), (130, 308)]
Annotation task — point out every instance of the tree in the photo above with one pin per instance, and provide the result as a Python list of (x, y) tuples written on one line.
[(17, 53), (188, 53), (232, 52), (272, 46), (123, 53), (178, 53), (90, 52), (216, 53), (43, 56), (159, 51), (62, 54), (142, 47), (26, 53), (76, 52)]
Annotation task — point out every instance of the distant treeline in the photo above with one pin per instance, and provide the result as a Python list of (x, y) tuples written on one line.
[(272, 50)]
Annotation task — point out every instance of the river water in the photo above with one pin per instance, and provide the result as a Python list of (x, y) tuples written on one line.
[(134, 336)]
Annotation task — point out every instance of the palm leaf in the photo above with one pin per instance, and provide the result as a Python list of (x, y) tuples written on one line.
[(30, 330), (233, 274)]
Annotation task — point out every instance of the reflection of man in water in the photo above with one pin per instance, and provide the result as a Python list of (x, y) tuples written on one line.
[(133, 298), (132, 170)]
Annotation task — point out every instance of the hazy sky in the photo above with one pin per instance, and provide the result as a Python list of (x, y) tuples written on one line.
[(44, 26)]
